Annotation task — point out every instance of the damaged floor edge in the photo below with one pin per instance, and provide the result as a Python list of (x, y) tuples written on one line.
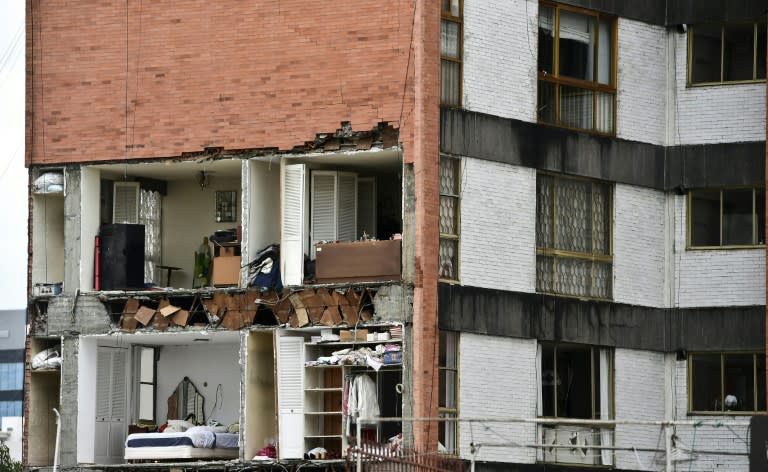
[(328, 305)]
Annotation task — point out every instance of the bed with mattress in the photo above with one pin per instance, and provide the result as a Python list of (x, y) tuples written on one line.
[(194, 443)]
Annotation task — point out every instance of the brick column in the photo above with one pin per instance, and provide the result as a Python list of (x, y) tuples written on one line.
[(426, 121)]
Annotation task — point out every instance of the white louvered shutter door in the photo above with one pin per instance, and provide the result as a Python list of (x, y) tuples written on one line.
[(323, 208), (290, 393), (347, 206), (292, 231)]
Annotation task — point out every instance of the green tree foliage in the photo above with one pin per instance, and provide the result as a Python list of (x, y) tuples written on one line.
[(7, 464)]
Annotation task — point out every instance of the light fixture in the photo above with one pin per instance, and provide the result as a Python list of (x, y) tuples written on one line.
[(203, 179)]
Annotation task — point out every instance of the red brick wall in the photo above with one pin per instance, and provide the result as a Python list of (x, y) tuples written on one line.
[(158, 78)]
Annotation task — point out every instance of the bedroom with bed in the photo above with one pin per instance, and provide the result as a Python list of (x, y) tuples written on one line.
[(159, 397)]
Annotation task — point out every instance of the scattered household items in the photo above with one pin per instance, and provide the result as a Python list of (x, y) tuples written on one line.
[(358, 261), (49, 182), (202, 265), (47, 359), (317, 453), (267, 452), (224, 236), (226, 264), (264, 270), (374, 357)]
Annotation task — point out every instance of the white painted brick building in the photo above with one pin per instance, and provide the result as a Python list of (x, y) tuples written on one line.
[(666, 299)]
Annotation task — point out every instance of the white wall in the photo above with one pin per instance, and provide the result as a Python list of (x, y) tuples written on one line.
[(716, 114), (204, 363), (734, 277), (642, 82), (498, 226), (90, 199), (86, 399), (264, 206), (639, 243), (510, 364), (639, 395), (189, 214), (500, 44)]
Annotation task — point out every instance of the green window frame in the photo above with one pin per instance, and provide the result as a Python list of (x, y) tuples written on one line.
[(726, 383), (577, 68), (726, 53), (726, 218)]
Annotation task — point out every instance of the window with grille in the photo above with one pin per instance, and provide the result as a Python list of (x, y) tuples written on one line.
[(726, 52), (726, 218), (449, 218), (450, 53), (573, 237), (726, 382), (577, 68)]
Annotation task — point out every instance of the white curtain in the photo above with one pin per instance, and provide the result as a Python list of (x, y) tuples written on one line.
[(606, 435)]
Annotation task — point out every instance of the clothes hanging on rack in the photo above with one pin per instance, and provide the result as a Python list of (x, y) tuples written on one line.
[(362, 401)]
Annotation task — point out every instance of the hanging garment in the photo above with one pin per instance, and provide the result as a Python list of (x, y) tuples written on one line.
[(363, 401)]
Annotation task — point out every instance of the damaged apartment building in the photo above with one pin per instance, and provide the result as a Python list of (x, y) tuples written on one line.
[(543, 222)]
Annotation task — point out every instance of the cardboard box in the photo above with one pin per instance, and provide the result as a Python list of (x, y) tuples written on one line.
[(358, 261), (226, 270), (353, 335)]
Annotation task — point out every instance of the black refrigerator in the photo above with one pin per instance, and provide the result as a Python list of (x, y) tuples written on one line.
[(121, 259)]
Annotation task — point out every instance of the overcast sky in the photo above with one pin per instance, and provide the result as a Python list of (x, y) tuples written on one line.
[(13, 175)]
